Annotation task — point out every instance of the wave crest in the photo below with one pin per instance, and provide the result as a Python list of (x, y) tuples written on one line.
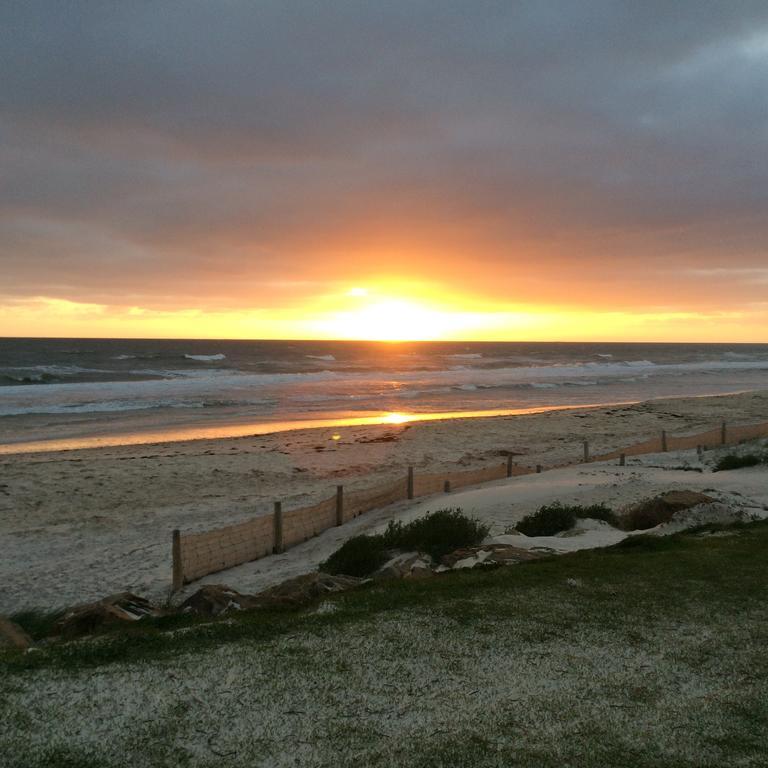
[(206, 358)]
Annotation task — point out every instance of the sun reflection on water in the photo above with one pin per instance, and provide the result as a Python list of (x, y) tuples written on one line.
[(396, 418)]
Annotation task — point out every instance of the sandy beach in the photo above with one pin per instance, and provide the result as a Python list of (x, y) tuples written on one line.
[(76, 525)]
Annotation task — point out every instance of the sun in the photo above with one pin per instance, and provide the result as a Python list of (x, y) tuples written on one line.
[(392, 319)]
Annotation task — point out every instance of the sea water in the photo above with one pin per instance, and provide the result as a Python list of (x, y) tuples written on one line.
[(274, 381)]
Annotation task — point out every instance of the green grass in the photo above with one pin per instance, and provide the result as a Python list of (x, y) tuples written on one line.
[(650, 654)]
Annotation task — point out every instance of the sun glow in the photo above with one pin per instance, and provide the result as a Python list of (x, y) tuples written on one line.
[(393, 319), (379, 310), (396, 418)]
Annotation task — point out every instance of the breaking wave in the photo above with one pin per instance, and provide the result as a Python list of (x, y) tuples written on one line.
[(206, 358)]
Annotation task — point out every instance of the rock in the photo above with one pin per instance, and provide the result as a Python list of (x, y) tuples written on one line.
[(488, 554), (89, 617), (304, 589), (13, 636), (685, 499), (703, 514), (660, 509), (215, 599), (406, 565), (473, 559)]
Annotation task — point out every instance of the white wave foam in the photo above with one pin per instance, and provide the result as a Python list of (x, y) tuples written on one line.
[(206, 358), (221, 385), (66, 370), (467, 356), (325, 358)]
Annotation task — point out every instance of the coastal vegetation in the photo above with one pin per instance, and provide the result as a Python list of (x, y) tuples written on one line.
[(436, 534), (739, 461), (586, 659), (557, 517)]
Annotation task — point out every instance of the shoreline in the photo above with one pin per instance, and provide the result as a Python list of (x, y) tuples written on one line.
[(243, 427), (226, 431)]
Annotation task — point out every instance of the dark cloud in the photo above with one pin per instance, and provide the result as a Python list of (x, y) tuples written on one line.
[(200, 150)]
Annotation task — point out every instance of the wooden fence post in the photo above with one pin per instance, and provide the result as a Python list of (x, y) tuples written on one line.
[(664, 440), (509, 465), (447, 486), (278, 527), (723, 433), (178, 569), (410, 482), (699, 451), (339, 505), (623, 460), (586, 451)]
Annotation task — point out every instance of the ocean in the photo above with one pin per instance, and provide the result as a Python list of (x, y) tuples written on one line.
[(295, 381)]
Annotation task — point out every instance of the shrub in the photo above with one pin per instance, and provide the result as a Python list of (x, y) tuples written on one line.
[(597, 512), (360, 556), (438, 533), (548, 521), (733, 461), (557, 517), (646, 516)]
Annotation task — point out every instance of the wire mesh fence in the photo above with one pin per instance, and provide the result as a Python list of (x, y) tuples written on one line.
[(198, 554)]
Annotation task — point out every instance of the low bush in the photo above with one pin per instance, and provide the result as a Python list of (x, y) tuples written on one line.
[(646, 516), (438, 533), (547, 521), (734, 461), (359, 556), (557, 517), (597, 512)]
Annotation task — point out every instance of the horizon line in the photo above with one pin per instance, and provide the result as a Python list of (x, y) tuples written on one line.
[(371, 341)]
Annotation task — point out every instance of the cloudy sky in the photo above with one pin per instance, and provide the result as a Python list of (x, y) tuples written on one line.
[(543, 169)]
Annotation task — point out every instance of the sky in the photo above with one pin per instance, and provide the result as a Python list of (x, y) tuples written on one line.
[(553, 169)]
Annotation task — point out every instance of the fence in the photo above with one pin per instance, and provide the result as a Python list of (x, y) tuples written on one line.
[(197, 554)]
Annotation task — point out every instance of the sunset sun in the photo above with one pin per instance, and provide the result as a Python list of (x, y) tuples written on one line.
[(393, 319)]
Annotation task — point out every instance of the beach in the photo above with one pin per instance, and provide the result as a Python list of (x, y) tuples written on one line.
[(76, 525)]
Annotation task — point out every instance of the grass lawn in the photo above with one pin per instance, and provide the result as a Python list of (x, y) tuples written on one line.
[(654, 654)]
